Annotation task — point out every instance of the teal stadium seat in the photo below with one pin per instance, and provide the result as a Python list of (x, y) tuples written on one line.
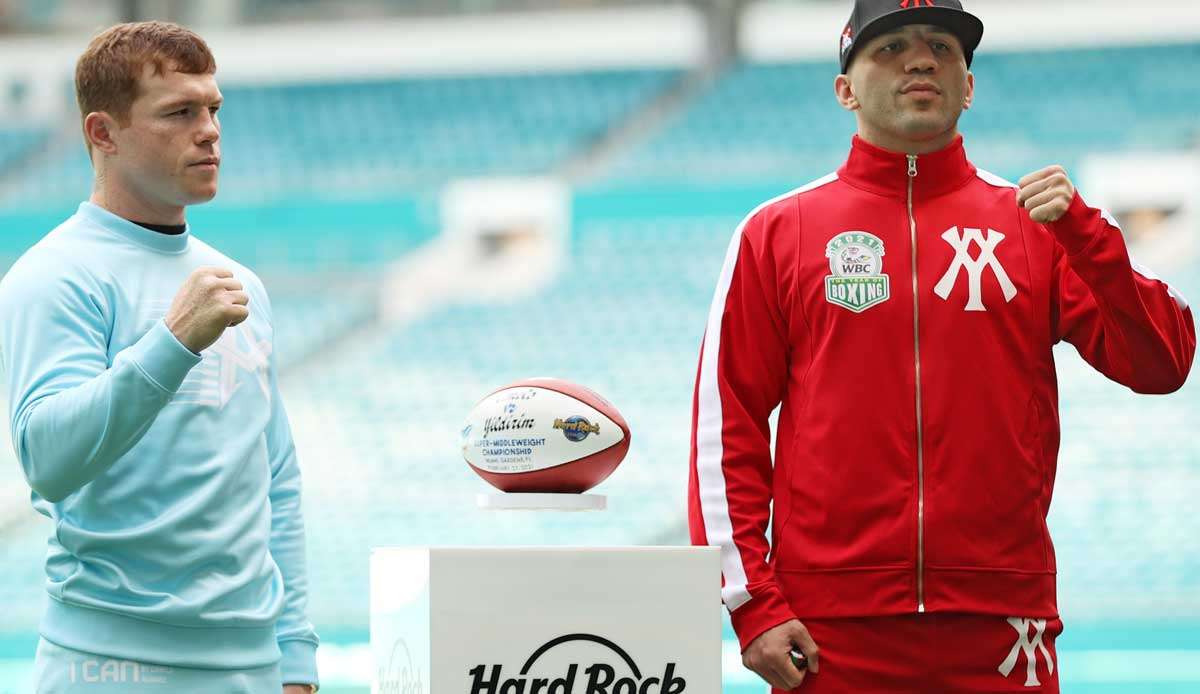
[(18, 142)]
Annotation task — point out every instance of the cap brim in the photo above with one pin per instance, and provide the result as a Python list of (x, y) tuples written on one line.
[(966, 26)]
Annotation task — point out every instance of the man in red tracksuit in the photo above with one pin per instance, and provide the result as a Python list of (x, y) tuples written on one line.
[(902, 310)]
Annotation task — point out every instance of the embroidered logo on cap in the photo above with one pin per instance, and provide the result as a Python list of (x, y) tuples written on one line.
[(847, 38), (906, 4)]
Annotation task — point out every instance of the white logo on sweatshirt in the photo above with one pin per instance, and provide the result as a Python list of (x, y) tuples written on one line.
[(1030, 647), (961, 243), (215, 380)]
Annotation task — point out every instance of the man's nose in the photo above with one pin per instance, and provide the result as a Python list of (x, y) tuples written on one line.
[(210, 130), (921, 59)]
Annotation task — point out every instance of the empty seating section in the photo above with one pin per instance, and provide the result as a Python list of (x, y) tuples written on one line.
[(376, 410), (371, 138), (781, 121), (18, 142)]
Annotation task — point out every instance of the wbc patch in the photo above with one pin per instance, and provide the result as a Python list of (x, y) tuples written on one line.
[(858, 281)]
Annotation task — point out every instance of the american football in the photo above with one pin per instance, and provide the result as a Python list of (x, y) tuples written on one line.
[(544, 435)]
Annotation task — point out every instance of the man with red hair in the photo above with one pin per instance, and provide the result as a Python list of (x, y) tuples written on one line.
[(145, 409)]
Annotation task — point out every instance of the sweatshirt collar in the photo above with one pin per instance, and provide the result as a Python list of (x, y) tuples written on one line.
[(140, 235), (884, 172)]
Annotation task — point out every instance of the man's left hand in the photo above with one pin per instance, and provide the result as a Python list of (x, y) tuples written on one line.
[(298, 689), (1046, 194)]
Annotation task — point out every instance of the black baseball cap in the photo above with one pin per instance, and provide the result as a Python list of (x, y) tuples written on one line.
[(874, 17)]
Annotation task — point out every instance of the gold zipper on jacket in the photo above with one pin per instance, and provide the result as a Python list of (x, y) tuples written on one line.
[(912, 228)]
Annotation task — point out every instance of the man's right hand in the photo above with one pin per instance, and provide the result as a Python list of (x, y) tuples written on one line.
[(209, 301), (769, 655)]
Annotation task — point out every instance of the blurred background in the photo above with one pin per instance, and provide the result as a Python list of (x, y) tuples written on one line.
[(444, 196)]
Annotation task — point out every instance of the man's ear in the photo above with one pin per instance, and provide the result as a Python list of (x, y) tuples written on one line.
[(844, 92), (98, 129), (970, 95)]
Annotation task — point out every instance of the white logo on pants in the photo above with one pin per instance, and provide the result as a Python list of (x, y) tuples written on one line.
[(961, 243), (1028, 646)]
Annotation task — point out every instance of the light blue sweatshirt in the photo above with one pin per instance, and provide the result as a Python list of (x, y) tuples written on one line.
[(171, 477)]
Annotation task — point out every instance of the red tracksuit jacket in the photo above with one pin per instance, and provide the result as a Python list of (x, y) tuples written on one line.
[(903, 311)]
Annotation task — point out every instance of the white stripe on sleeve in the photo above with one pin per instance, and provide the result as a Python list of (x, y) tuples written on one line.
[(1142, 269), (718, 527)]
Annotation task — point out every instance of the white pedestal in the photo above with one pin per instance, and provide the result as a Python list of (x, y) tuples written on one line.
[(546, 620), (541, 502)]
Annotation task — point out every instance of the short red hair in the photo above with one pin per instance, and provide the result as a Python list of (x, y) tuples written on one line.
[(107, 74)]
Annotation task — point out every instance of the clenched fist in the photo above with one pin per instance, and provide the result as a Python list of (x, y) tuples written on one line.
[(209, 301), (769, 655), (1046, 194)]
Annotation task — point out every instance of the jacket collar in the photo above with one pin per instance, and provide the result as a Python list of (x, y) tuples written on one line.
[(884, 172)]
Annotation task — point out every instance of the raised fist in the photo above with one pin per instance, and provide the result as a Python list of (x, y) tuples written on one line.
[(209, 301), (1046, 194)]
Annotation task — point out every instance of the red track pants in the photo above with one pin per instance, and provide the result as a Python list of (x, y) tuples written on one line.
[(933, 654)]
